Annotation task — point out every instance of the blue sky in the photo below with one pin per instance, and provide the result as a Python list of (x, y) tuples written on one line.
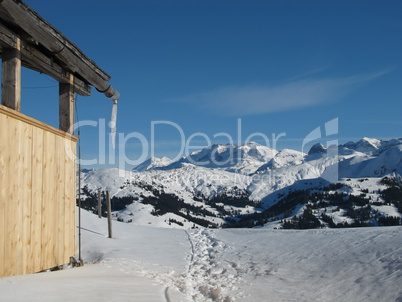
[(279, 66)]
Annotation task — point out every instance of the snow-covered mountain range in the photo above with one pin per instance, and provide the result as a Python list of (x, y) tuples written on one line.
[(225, 185), (153, 163), (245, 159)]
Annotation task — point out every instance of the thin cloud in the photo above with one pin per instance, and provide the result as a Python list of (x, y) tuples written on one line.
[(293, 95), (383, 122), (308, 73)]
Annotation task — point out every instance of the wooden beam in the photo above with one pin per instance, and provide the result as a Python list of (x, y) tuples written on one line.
[(37, 124), (66, 106), (70, 57), (20, 14), (7, 37), (34, 59), (11, 76)]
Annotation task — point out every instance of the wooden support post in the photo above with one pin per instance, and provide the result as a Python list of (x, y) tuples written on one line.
[(109, 213), (99, 204), (66, 105), (11, 76)]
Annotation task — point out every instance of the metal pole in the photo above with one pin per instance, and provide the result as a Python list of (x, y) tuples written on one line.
[(109, 213)]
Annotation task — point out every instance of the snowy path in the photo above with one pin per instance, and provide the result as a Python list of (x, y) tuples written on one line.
[(208, 276), (218, 270)]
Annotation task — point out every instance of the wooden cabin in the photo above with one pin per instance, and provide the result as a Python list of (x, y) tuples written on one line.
[(37, 161)]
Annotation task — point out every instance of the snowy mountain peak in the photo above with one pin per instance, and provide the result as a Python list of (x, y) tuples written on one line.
[(245, 159), (152, 163), (371, 141), (368, 144), (258, 151), (283, 158), (317, 149), (365, 145)]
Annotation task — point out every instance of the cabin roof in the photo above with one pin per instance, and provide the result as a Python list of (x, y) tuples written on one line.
[(47, 50)]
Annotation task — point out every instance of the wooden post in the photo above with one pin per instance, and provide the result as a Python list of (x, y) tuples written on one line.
[(109, 213), (11, 76), (66, 105), (99, 204)]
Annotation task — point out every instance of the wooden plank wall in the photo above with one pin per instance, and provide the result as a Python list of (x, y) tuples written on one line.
[(37, 195)]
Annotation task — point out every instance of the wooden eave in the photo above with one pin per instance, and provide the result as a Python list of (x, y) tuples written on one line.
[(34, 59), (47, 50)]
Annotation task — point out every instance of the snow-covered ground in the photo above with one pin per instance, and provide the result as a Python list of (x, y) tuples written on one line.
[(144, 263)]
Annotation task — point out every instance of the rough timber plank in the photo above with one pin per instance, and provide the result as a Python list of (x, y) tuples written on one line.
[(12, 206), (7, 37), (19, 187), (22, 117), (49, 196), (69, 205), (8, 220), (37, 199), (34, 59), (26, 195), (59, 203), (41, 31), (63, 49), (3, 180), (73, 217), (66, 106), (11, 76)]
